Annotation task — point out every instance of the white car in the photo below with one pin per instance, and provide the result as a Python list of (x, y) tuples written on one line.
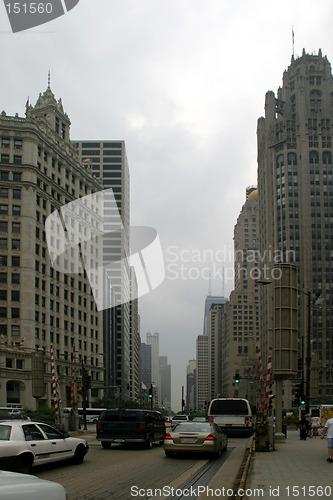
[(24, 444), (176, 419), (15, 486)]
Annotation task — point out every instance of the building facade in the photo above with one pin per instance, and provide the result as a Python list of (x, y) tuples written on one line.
[(108, 161), (40, 306), (296, 206), (202, 372), (240, 335)]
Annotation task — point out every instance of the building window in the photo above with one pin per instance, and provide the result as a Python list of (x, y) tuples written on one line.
[(17, 176), (15, 331), (17, 160), (15, 312), (17, 194), (4, 209), (16, 227), (4, 158), (3, 192)]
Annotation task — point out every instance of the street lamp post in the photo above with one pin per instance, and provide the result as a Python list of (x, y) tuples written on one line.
[(308, 358)]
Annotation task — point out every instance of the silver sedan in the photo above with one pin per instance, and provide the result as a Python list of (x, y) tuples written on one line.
[(195, 437)]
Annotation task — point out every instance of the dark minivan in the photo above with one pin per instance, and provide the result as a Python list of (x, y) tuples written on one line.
[(130, 426)]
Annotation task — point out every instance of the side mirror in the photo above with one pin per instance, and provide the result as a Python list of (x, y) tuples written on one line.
[(65, 434)]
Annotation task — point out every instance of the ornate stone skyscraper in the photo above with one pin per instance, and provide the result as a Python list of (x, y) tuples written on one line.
[(295, 184)]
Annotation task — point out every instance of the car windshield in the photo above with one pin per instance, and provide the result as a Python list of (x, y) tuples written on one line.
[(5, 432), (190, 427)]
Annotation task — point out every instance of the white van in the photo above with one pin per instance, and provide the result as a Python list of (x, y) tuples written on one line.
[(232, 415)]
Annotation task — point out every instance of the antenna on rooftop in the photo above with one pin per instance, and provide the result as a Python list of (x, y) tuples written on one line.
[(210, 280), (222, 281), (293, 40)]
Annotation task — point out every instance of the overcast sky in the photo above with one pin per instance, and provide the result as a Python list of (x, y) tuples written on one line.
[(183, 82)]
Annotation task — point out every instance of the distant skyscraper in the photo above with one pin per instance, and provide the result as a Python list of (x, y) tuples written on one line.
[(240, 330), (202, 372), (296, 203), (165, 376), (211, 299), (191, 401), (146, 364), (153, 341)]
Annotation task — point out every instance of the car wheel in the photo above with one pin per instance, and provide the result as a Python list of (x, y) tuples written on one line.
[(149, 443), (23, 464), (168, 453), (106, 445), (79, 455)]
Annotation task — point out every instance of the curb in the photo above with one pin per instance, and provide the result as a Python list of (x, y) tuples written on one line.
[(244, 469)]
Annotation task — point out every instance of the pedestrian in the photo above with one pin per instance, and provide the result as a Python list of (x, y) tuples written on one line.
[(303, 425), (329, 428), (315, 423)]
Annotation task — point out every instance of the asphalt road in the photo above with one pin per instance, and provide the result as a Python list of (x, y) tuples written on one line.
[(127, 472)]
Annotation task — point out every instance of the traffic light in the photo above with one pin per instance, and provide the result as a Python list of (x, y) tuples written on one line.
[(271, 396), (237, 378), (150, 394), (86, 380), (299, 393), (78, 391)]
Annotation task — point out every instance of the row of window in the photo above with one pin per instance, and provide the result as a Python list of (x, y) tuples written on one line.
[(16, 159), (15, 227), (6, 142), (14, 330), (15, 193)]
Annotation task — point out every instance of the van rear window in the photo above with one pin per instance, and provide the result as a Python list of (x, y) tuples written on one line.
[(110, 417), (229, 407), (129, 417)]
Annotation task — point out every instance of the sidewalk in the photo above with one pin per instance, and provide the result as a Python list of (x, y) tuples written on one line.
[(294, 469)]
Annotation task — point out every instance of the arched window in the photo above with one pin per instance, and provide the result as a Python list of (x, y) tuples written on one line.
[(279, 161), (314, 157), (327, 158), (292, 159)]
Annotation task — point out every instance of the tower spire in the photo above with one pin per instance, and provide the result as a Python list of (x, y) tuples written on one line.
[(293, 40), (49, 80)]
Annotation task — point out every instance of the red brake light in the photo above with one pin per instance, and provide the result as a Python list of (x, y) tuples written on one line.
[(167, 436), (142, 426), (211, 419), (98, 425), (210, 438)]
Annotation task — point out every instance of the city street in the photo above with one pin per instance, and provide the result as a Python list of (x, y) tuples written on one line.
[(110, 474)]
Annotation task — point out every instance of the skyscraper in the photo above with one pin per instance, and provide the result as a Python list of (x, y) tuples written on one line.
[(153, 341), (240, 330), (109, 163), (296, 206), (40, 306)]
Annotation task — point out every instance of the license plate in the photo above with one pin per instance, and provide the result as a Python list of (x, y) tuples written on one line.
[(188, 440), (119, 440)]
